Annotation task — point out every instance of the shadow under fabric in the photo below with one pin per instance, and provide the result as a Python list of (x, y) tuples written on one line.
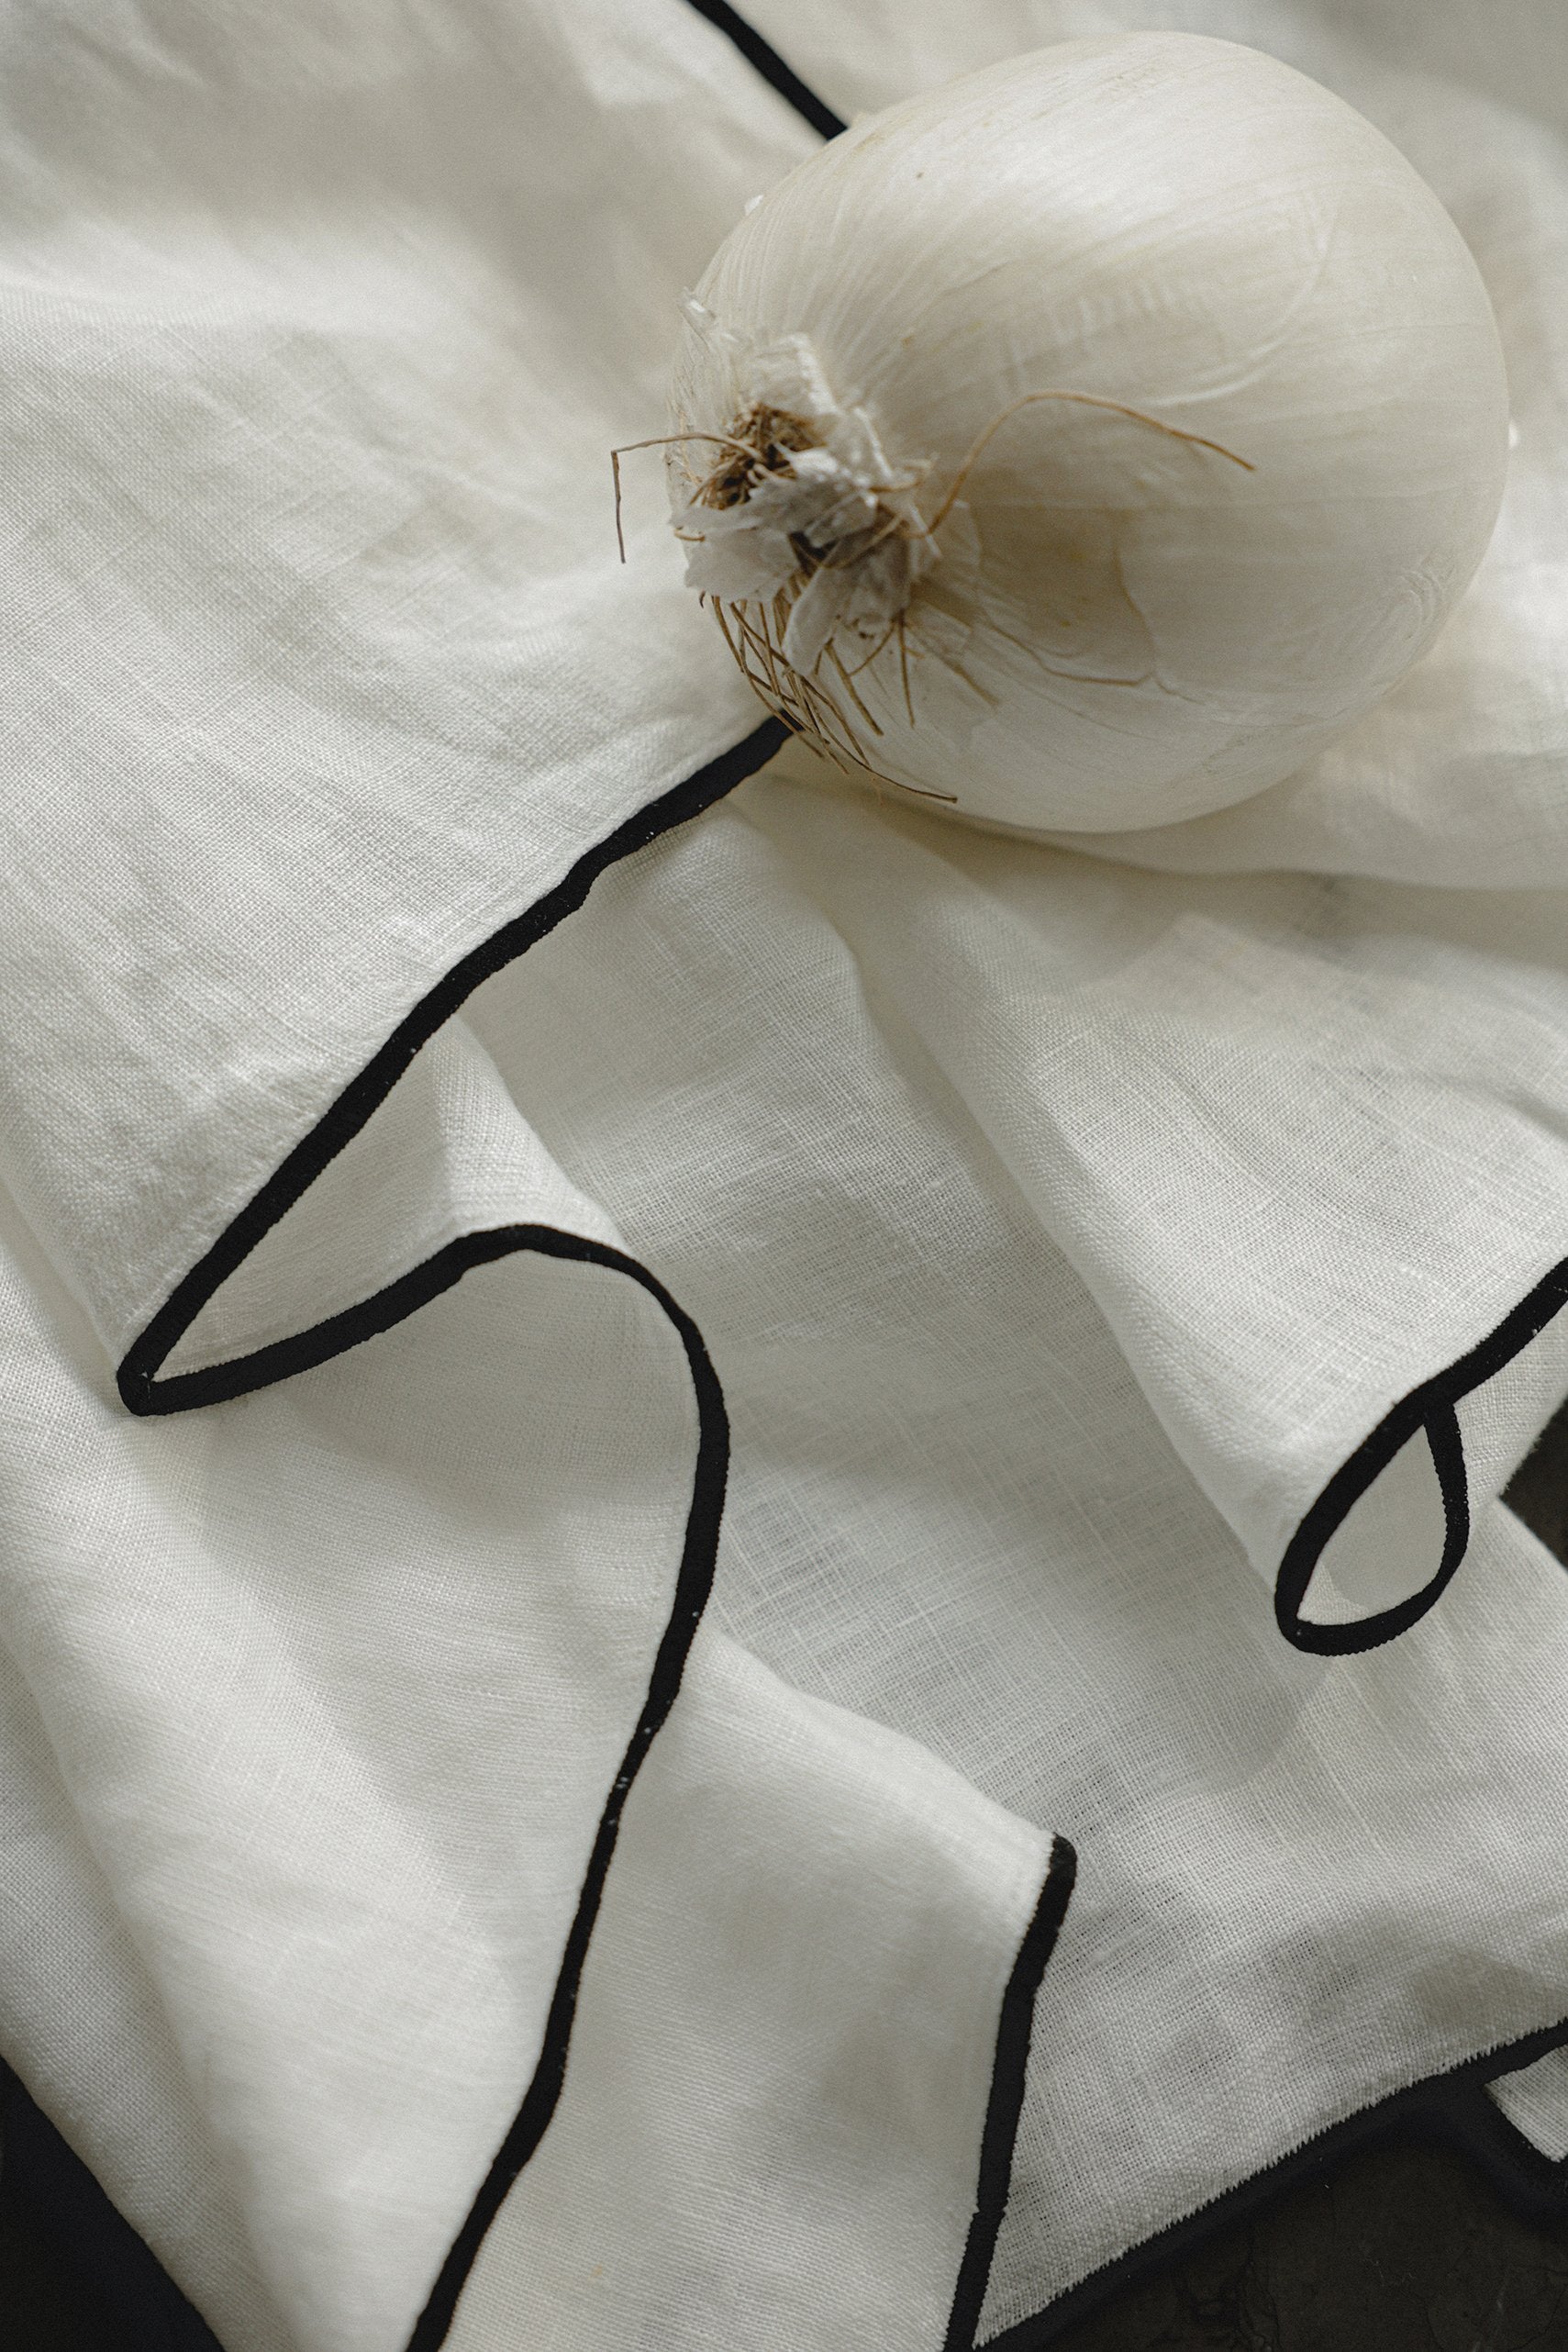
[(711, 1367)]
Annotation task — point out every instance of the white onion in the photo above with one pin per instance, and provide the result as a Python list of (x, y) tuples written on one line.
[(1124, 619)]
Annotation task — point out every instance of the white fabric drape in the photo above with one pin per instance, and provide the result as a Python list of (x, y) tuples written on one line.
[(463, 1087)]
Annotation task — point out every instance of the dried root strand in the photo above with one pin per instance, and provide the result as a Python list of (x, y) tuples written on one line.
[(848, 685), (1085, 400), (659, 440), (761, 444), (807, 705)]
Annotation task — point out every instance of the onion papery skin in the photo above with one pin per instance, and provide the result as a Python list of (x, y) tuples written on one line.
[(1125, 629)]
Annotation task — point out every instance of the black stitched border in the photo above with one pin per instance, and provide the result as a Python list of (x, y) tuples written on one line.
[(1451, 2107), (144, 1393), (694, 1583), (770, 66), (1431, 1408), (1010, 2067), (140, 1387)]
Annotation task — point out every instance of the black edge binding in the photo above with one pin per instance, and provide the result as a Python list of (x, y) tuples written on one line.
[(770, 66), (144, 1393), (140, 1387), (1431, 1408), (692, 1585), (1010, 2067)]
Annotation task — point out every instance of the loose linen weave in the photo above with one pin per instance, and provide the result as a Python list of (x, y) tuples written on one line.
[(641, 1386)]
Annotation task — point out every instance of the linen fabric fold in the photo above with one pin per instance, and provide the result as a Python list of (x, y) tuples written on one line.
[(717, 1365), (318, 1699)]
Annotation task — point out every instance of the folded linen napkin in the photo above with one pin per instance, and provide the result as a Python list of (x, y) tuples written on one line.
[(633, 1383)]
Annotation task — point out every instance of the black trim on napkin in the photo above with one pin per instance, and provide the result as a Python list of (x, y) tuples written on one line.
[(144, 1392), (694, 1583), (1429, 1411), (770, 66), (1009, 2074), (140, 1389)]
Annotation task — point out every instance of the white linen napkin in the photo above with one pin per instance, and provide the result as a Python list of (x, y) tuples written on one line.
[(635, 1380)]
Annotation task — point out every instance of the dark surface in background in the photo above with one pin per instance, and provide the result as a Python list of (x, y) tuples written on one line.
[(1396, 2249), (1404, 2245), (73, 2276), (1540, 1489)]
